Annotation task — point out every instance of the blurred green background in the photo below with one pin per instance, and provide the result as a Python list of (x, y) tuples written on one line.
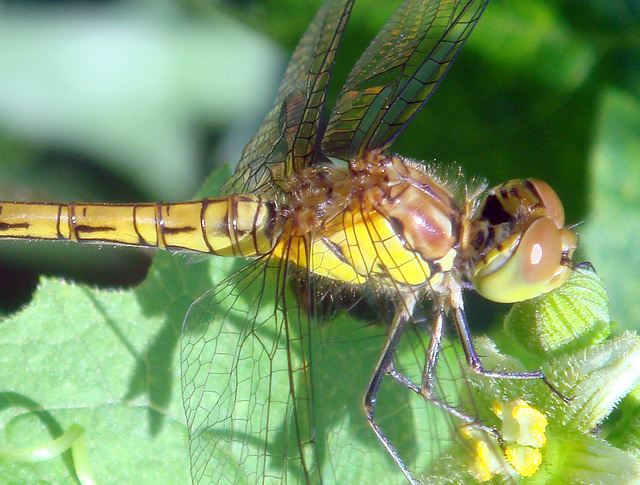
[(140, 100)]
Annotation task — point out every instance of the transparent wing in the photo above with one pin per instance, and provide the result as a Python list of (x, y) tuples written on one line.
[(247, 421), (286, 141), (272, 398), (397, 73), (272, 395)]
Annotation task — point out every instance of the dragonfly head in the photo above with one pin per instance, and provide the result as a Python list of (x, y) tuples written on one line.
[(524, 250)]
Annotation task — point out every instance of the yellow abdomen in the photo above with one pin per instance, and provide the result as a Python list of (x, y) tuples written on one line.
[(231, 226)]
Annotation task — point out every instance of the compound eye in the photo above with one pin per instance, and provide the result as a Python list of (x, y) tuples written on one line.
[(525, 266), (540, 251), (551, 201)]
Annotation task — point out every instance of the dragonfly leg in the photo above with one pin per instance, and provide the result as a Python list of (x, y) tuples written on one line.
[(426, 389), (384, 366)]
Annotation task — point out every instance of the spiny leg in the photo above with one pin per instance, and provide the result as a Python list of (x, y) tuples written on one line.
[(383, 367), (426, 389)]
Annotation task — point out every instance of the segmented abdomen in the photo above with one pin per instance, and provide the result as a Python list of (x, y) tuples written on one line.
[(231, 226)]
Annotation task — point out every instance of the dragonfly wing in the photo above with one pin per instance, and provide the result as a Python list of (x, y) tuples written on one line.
[(248, 422), (397, 73), (286, 141), (274, 396)]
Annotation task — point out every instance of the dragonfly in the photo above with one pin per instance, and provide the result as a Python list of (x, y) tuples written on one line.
[(350, 245)]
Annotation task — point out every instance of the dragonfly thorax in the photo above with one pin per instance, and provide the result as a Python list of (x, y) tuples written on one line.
[(382, 218)]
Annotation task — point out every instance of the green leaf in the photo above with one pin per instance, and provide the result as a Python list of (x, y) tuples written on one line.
[(80, 356), (575, 316), (591, 374)]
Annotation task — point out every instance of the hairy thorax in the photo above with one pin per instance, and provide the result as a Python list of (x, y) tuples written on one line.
[(383, 218)]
